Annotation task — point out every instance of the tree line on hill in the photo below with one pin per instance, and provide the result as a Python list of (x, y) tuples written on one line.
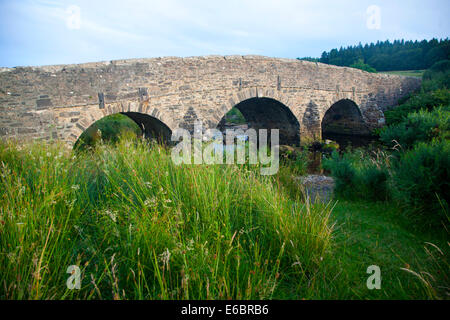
[(388, 56)]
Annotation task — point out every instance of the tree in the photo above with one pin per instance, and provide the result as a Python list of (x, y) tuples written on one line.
[(361, 65), (387, 56)]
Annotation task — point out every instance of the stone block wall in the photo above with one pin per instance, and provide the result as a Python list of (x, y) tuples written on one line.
[(61, 101)]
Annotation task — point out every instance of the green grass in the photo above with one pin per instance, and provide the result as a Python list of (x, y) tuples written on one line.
[(140, 227), (368, 233), (408, 73)]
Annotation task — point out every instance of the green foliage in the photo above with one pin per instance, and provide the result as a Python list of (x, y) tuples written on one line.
[(344, 174), (108, 129), (310, 59), (422, 126), (440, 66), (422, 181), (359, 175), (300, 164), (437, 77), (419, 128), (330, 146), (363, 66), (295, 158), (387, 56), (379, 231), (234, 116), (434, 93), (417, 179), (373, 179), (425, 100), (141, 227)]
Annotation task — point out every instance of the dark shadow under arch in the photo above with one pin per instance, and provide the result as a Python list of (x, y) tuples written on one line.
[(151, 127), (268, 113), (343, 118)]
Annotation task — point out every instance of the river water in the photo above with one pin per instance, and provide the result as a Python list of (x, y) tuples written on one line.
[(315, 156), (354, 141)]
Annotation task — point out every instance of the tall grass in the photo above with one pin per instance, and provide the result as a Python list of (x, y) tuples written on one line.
[(140, 227)]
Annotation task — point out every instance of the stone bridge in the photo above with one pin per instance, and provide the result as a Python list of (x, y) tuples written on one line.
[(302, 99)]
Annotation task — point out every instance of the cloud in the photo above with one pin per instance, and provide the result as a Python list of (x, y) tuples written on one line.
[(141, 28)]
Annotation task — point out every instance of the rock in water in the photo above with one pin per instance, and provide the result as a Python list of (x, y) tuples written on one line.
[(317, 187)]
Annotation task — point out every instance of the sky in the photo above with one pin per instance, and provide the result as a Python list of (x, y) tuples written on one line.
[(44, 32)]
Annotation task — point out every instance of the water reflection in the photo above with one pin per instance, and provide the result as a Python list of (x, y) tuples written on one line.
[(315, 162), (355, 141)]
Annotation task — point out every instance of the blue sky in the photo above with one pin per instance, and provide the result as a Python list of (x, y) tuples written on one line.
[(42, 32)]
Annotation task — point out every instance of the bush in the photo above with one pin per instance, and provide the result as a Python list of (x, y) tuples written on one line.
[(426, 100), (300, 163), (374, 182), (422, 181), (440, 66), (437, 77), (344, 174), (422, 126), (418, 179), (295, 158), (360, 176), (362, 66)]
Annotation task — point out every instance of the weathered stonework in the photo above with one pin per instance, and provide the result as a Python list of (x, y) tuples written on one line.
[(61, 101)]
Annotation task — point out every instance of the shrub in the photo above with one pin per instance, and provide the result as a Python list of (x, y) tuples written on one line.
[(301, 163), (360, 176), (418, 179), (419, 126), (422, 180), (362, 66), (296, 159), (426, 100), (374, 182), (343, 172), (437, 76), (439, 81)]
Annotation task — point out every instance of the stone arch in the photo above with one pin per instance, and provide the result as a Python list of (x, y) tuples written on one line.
[(343, 117), (151, 127), (262, 111), (139, 112), (244, 94)]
